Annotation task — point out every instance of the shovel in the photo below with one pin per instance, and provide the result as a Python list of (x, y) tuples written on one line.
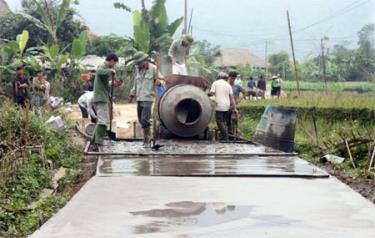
[(111, 134)]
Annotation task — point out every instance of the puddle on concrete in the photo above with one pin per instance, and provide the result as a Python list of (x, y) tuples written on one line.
[(180, 216), (189, 215)]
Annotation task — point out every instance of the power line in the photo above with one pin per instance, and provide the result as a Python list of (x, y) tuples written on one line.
[(271, 36), (342, 11)]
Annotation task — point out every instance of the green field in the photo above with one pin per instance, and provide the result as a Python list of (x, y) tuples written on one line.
[(361, 87), (345, 100)]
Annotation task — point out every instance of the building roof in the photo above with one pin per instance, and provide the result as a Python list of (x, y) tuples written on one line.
[(231, 57), (4, 8)]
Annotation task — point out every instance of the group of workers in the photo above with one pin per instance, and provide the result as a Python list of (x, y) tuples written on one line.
[(146, 78), (96, 103), (39, 86)]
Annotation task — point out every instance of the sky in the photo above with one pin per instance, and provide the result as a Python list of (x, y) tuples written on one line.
[(247, 23)]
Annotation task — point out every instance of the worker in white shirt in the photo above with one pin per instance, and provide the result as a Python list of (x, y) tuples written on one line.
[(223, 93), (86, 104)]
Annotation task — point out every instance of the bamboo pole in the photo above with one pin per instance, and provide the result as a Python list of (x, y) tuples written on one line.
[(350, 154)]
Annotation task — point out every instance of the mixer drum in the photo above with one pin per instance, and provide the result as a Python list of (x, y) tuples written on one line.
[(185, 110)]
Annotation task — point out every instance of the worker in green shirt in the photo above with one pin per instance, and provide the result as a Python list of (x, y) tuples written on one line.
[(102, 96), (275, 87), (145, 80)]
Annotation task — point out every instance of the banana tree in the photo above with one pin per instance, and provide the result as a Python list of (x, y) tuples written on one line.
[(51, 21), (152, 30)]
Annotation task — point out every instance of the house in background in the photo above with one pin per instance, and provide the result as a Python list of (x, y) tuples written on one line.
[(4, 8), (231, 57)]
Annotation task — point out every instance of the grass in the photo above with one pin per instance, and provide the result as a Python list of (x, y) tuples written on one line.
[(320, 100), (21, 189), (361, 87), (333, 125)]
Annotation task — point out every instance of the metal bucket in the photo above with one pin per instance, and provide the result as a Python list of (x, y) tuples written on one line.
[(276, 129)]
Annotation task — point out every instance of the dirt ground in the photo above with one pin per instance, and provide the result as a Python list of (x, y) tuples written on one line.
[(122, 113)]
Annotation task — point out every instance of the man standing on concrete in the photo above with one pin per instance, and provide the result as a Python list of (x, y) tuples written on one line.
[(179, 52), (223, 93), (145, 80), (239, 94), (103, 97), (20, 87)]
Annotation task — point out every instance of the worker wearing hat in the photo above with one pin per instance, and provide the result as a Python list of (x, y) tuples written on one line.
[(179, 51), (145, 80), (275, 87)]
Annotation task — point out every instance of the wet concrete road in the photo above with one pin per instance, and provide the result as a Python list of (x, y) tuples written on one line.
[(209, 166), (206, 194), (213, 207)]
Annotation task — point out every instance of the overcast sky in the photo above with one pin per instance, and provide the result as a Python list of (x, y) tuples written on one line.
[(246, 23)]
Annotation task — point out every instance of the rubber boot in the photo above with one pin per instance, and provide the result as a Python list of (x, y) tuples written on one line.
[(99, 134), (147, 137)]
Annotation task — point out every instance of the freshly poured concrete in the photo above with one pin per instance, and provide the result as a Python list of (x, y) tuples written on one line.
[(209, 166), (127, 206)]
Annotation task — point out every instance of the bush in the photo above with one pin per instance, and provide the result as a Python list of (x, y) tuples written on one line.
[(30, 177)]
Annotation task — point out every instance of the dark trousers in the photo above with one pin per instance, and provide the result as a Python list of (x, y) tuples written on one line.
[(20, 101), (232, 122), (222, 119), (85, 114), (144, 113)]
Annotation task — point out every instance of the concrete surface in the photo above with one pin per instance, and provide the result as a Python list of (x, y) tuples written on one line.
[(128, 206), (208, 166)]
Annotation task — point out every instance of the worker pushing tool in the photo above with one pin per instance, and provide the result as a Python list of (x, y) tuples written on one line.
[(103, 96), (145, 79), (179, 52)]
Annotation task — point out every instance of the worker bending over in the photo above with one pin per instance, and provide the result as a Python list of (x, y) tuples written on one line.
[(86, 104)]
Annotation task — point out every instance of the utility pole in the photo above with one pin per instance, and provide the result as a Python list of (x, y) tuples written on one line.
[(186, 17), (190, 21), (266, 59), (294, 55), (324, 73)]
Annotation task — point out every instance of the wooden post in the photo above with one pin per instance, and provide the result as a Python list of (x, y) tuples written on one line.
[(294, 56), (350, 154), (27, 121), (372, 159), (324, 77)]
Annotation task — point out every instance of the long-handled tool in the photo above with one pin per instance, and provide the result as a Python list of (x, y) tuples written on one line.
[(110, 133), (154, 145)]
